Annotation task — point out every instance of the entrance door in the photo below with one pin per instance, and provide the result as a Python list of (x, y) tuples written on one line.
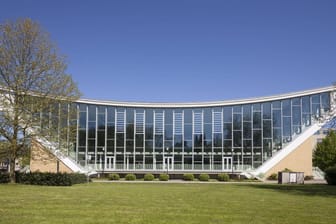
[(168, 163), (109, 163), (227, 163)]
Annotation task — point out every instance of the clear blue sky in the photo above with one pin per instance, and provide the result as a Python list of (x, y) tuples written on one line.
[(181, 51)]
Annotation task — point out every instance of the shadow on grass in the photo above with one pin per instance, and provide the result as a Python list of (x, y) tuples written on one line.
[(307, 189)]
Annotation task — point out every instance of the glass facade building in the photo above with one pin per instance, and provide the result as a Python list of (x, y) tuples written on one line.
[(201, 137)]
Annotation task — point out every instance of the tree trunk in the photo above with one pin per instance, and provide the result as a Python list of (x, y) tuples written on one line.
[(12, 170)]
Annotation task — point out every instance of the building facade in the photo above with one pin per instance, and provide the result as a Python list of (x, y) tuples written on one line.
[(228, 136)]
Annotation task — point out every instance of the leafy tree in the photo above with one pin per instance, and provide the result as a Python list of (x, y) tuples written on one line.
[(324, 155), (33, 87)]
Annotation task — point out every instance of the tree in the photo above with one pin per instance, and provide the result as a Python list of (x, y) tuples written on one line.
[(33, 85), (324, 155)]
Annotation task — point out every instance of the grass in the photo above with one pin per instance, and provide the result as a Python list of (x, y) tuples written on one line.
[(168, 203)]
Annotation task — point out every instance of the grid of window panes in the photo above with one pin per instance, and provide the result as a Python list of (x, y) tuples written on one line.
[(236, 137)]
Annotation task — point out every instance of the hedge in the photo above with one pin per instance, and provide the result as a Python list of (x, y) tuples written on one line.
[(164, 177), (4, 178), (203, 177), (130, 176), (330, 175), (223, 177), (51, 179), (188, 177), (148, 177), (113, 176)]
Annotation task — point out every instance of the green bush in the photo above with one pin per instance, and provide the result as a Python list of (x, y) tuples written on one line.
[(309, 178), (148, 177), (130, 176), (188, 177), (51, 179), (330, 175), (113, 176), (4, 178), (164, 177), (273, 176), (203, 177), (223, 177)]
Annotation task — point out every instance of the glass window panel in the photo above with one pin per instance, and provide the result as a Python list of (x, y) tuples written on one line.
[(276, 105), (149, 116), (169, 132), (207, 131), (296, 115), (187, 146), (286, 108), (130, 131), (237, 109), (316, 110), (247, 113), (267, 129), (187, 116), (82, 120), (305, 104), (277, 138), (277, 118), (256, 120), (227, 130), (296, 102), (237, 122), (159, 141), (149, 131), (82, 107), (217, 140), (247, 143), (92, 130), (110, 131), (256, 107), (325, 97), (266, 110), (315, 99), (247, 130), (188, 131), (129, 115), (82, 138), (208, 115), (287, 126), (178, 140), (120, 139), (110, 114), (92, 113), (101, 121), (139, 139), (101, 138), (237, 140), (149, 146), (257, 138), (227, 114), (168, 116), (198, 139)]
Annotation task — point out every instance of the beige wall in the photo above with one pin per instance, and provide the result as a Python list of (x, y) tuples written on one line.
[(43, 161), (300, 160)]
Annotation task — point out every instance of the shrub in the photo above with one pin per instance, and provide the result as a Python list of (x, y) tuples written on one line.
[(130, 176), (148, 177), (51, 179), (330, 175), (309, 178), (188, 177), (164, 177), (223, 177), (203, 177), (287, 170), (113, 176), (4, 178), (273, 176)]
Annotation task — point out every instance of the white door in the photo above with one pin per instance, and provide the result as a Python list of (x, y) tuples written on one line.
[(109, 163), (168, 163), (227, 163)]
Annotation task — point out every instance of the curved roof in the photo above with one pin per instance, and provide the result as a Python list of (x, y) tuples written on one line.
[(210, 103)]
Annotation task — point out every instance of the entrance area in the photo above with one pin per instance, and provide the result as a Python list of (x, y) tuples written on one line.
[(168, 163), (109, 163), (227, 163)]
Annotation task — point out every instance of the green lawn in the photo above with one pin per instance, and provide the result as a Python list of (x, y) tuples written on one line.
[(168, 203)]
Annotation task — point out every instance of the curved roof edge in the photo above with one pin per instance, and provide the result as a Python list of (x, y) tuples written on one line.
[(210, 103)]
